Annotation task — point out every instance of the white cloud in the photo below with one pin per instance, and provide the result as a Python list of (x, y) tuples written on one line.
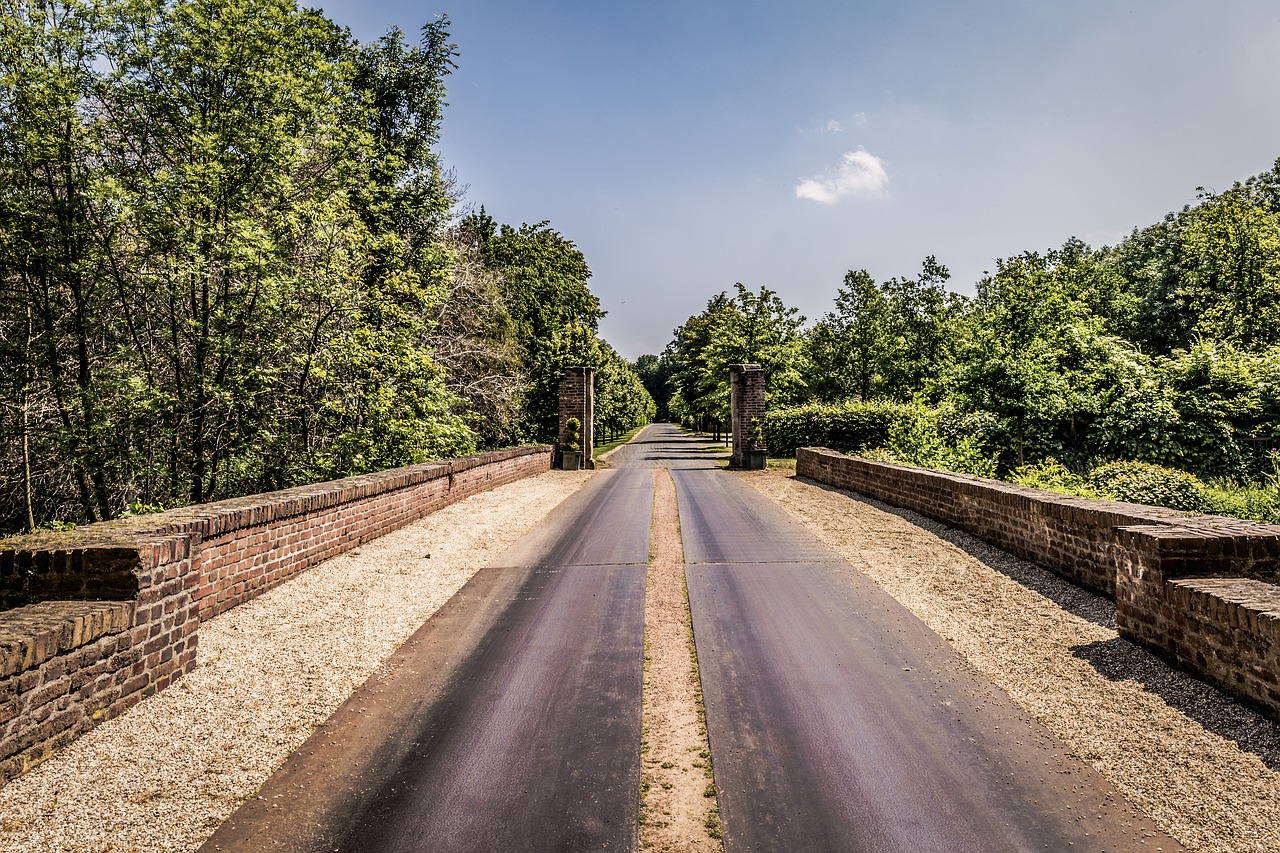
[(834, 126), (860, 119), (860, 173)]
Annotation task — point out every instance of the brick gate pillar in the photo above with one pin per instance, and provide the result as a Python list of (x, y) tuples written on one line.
[(577, 400), (746, 401)]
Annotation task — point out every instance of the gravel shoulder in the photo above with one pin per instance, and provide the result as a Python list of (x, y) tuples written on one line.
[(1206, 769), (677, 797), (165, 775)]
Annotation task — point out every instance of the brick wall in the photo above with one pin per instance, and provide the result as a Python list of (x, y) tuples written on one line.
[(99, 618), (1198, 590)]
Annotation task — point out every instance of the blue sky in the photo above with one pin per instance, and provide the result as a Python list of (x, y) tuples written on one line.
[(688, 146)]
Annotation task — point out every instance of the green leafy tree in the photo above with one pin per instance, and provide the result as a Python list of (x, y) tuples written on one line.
[(554, 314), (849, 348)]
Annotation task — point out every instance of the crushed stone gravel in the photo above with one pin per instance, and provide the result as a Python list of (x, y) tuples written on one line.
[(165, 775), (1204, 767)]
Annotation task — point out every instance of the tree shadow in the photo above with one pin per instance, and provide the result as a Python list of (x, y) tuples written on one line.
[(1119, 660), (1075, 600)]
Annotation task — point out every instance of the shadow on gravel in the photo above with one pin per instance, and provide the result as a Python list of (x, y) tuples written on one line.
[(1071, 598), (1115, 659), (1119, 660)]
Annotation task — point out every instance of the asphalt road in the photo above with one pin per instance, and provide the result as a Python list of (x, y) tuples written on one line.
[(510, 721), (666, 446), (838, 721)]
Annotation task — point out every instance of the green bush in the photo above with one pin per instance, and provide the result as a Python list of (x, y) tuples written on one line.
[(1051, 475), (1258, 504), (918, 439), (878, 454), (1144, 483), (851, 426)]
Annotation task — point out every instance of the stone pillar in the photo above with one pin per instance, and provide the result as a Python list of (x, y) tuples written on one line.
[(746, 401), (577, 400)]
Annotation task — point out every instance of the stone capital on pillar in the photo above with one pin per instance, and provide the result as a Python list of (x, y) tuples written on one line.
[(577, 400), (746, 405)]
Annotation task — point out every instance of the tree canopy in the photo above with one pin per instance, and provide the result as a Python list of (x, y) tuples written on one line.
[(231, 261), (1162, 349)]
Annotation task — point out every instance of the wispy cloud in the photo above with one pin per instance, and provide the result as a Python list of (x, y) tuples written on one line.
[(834, 126), (860, 173), (860, 119)]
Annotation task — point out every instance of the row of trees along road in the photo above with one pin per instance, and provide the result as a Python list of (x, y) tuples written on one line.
[(1164, 348), (231, 261)]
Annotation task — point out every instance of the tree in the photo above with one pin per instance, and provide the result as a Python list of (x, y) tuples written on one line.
[(223, 219), (55, 222), (849, 348), (918, 312), (749, 328), (543, 279), (655, 372)]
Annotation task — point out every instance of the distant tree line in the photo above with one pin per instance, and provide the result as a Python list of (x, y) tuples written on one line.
[(1163, 349), (231, 261)]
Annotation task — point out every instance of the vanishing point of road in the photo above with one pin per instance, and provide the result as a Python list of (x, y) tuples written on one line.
[(837, 721)]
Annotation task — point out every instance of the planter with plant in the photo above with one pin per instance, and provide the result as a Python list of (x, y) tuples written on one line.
[(753, 457), (571, 450)]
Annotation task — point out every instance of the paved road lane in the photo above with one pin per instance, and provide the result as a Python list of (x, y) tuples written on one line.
[(839, 721), (667, 446), (510, 721)]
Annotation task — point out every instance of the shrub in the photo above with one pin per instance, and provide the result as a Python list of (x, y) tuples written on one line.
[(851, 426), (878, 454), (1051, 475), (1258, 504), (572, 433), (1144, 483), (918, 440)]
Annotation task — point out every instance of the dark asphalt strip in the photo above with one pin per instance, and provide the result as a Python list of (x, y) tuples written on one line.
[(838, 721), (509, 721)]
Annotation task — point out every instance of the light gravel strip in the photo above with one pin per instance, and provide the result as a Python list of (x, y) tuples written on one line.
[(1205, 768), (165, 775)]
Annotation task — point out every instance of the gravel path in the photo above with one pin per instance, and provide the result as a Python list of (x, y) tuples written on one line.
[(165, 775), (677, 791), (1206, 769)]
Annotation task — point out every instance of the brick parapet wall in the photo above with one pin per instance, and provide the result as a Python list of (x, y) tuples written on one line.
[(1198, 590), (65, 665), (1069, 535)]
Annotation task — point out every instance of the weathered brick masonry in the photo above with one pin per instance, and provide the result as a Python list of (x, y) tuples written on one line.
[(94, 620), (577, 400), (746, 403), (1198, 590)]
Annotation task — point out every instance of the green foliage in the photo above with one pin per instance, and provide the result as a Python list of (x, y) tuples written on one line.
[(572, 434), (1252, 502), (1140, 482), (1051, 475), (226, 264), (885, 340), (850, 426), (655, 372), (748, 328), (907, 432), (920, 439)]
